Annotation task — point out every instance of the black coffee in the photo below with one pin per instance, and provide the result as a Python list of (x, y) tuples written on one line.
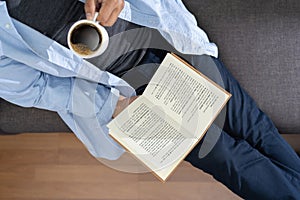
[(85, 39)]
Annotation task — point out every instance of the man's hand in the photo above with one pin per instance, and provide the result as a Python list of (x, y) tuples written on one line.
[(109, 10), (123, 102)]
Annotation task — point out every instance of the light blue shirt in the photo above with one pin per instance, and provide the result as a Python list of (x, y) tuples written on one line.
[(36, 71)]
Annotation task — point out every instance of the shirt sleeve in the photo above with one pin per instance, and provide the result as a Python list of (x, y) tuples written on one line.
[(175, 23), (85, 106)]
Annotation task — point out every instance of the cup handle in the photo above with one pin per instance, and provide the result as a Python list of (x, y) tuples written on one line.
[(95, 17)]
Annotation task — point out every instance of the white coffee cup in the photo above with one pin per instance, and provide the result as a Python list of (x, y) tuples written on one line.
[(87, 38)]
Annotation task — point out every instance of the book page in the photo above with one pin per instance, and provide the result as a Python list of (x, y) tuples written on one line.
[(189, 97), (145, 130)]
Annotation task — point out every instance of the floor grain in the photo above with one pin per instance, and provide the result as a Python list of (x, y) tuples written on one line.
[(57, 166)]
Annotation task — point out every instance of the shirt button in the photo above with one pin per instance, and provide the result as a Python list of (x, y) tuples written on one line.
[(7, 26)]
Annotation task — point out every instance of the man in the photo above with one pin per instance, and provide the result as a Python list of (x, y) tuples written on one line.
[(249, 156)]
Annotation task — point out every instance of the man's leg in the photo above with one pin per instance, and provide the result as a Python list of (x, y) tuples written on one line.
[(245, 171), (250, 156), (246, 121)]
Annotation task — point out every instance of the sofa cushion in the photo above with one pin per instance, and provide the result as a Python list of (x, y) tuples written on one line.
[(259, 42), (15, 119)]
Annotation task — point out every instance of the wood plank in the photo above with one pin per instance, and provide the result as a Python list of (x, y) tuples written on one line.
[(67, 190), (183, 190), (57, 166)]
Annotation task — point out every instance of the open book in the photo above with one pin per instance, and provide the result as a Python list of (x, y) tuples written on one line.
[(164, 124)]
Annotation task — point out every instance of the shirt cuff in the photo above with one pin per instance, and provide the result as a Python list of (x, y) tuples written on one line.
[(106, 109)]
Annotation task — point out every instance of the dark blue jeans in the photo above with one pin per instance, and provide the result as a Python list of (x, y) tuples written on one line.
[(250, 157)]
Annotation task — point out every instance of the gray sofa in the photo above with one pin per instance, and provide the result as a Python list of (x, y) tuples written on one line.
[(258, 40)]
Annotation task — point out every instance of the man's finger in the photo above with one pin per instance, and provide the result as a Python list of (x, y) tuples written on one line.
[(111, 19), (110, 8), (106, 9), (90, 8)]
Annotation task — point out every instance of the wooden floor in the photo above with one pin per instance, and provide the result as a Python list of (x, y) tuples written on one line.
[(56, 166)]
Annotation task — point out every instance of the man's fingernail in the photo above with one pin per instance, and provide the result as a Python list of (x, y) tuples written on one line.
[(89, 16)]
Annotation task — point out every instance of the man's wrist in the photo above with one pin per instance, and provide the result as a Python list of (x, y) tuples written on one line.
[(122, 103)]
